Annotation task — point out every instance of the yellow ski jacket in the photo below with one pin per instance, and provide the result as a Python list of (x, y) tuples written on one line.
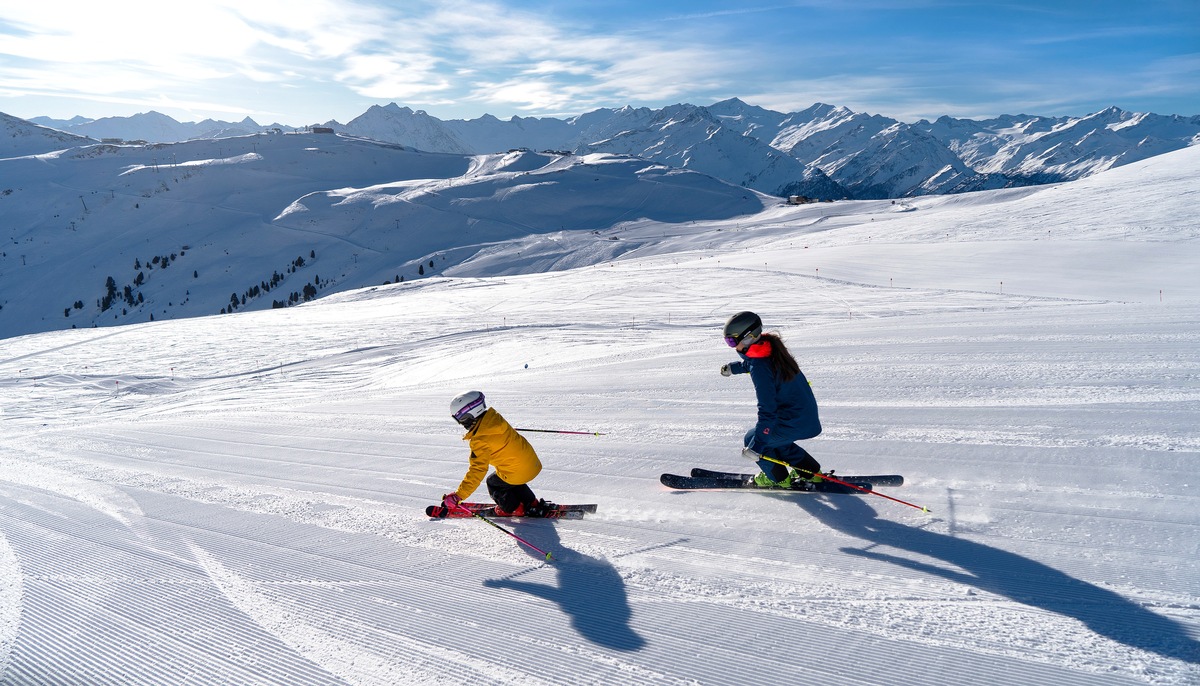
[(494, 443)]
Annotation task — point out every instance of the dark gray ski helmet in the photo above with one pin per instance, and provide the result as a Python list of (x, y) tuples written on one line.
[(741, 326)]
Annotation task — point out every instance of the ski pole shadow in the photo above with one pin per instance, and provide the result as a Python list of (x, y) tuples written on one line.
[(1006, 574), (590, 592)]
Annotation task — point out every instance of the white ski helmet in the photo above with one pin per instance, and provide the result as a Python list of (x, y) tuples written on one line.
[(467, 407)]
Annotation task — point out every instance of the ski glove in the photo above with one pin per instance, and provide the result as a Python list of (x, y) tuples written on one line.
[(749, 454), (725, 370), (450, 501)]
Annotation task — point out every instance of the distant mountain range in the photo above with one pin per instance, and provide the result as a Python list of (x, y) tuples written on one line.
[(823, 152), (153, 127)]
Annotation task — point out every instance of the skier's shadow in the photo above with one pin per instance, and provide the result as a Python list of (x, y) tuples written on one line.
[(589, 591), (1007, 574)]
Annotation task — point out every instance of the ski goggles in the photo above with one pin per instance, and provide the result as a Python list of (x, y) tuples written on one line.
[(467, 410), (732, 341)]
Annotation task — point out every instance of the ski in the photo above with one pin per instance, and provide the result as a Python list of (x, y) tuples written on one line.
[(489, 510), (716, 482), (874, 480)]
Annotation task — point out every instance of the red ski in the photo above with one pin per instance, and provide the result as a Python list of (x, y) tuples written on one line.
[(489, 510)]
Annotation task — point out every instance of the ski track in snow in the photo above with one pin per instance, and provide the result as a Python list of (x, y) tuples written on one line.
[(240, 499), (409, 661), (294, 466), (10, 600)]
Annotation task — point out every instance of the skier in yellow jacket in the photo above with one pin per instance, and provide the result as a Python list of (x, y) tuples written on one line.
[(494, 443)]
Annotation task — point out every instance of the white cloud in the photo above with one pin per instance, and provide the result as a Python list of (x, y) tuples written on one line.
[(136, 30), (560, 67), (331, 58), (423, 52), (393, 76)]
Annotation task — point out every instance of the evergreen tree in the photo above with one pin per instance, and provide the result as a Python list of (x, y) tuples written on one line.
[(111, 293)]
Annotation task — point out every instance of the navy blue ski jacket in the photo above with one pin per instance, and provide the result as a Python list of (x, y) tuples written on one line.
[(787, 412)]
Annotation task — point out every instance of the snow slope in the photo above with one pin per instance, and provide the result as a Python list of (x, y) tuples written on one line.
[(20, 137), (182, 229), (238, 499)]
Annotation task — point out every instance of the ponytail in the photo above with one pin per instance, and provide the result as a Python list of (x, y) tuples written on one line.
[(782, 363)]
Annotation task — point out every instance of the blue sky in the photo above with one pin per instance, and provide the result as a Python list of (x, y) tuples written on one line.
[(308, 62)]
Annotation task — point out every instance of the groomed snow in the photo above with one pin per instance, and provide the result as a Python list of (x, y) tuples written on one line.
[(239, 499)]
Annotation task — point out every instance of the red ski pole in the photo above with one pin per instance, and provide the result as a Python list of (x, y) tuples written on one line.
[(834, 479), (476, 514)]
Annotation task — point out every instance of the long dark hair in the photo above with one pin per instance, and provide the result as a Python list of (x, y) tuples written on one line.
[(782, 363)]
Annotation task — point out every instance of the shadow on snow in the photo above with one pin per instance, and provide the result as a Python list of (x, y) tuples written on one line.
[(589, 590), (1007, 574)]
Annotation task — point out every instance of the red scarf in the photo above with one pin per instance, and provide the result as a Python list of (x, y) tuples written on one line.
[(759, 349)]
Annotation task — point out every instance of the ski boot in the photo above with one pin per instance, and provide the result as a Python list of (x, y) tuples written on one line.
[(520, 511), (808, 477), (763, 481)]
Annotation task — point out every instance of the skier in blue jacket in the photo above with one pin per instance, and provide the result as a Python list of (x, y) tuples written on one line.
[(787, 408)]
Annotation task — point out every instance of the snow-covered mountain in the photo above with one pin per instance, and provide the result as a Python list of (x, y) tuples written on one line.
[(749, 120), (841, 153), (60, 124), (155, 127), (20, 137), (489, 134), (115, 234), (240, 499), (835, 152), (147, 126), (1062, 148), (247, 213), (869, 155), (403, 126), (682, 136), (690, 137)]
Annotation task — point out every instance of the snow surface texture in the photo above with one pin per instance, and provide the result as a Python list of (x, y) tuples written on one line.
[(239, 499)]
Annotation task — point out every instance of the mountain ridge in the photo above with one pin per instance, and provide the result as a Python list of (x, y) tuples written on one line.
[(835, 153)]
